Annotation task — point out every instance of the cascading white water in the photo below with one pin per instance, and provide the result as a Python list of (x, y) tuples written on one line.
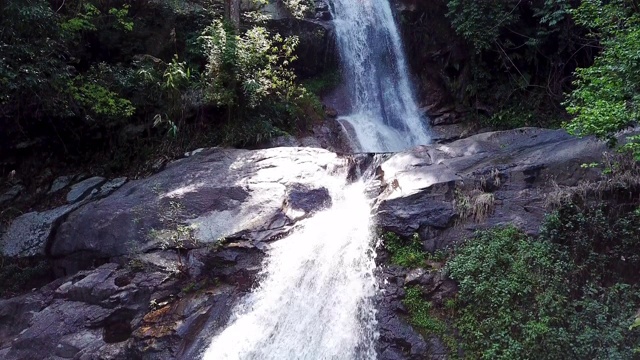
[(314, 298), (384, 114)]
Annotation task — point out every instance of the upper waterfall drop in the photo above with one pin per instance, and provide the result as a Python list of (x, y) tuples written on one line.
[(384, 114)]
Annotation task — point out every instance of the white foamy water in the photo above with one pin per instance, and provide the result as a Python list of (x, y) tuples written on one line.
[(315, 293), (384, 115), (314, 300)]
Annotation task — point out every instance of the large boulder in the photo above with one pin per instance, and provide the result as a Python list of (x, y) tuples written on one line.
[(29, 234), (215, 194), (489, 179)]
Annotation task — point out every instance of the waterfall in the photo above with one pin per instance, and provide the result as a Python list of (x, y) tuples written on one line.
[(384, 114), (315, 294), (314, 298)]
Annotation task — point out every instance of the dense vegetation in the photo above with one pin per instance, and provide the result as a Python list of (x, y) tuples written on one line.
[(76, 76), (547, 62), (570, 293)]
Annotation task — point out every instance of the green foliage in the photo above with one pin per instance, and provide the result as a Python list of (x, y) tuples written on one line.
[(522, 56), (632, 146), (407, 253), (248, 68), (91, 19), (511, 292), (606, 98), (603, 247), (32, 62), (323, 83), (84, 21), (177, 79), (420, 312), (100, 100), (570, 294), (47, 85), (299, 8), (480, 21), (122, 17), (249, 74)]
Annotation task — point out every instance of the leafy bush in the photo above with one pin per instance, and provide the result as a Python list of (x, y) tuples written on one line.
[(247, 68), (249, 75), (299, 8), (99, 100), (606, 98), (420, 312), (407, 253), (512, 293), (567, 295)]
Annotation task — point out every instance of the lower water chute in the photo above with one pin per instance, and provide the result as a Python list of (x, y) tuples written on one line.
[(315, 295)]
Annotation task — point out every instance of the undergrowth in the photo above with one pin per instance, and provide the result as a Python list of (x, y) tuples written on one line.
[(408, 253), (421, 312), (570, 294), (20, 275)]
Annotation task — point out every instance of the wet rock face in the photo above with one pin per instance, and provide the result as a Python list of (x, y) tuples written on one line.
[(139, 310), (170, 255), (436, 54), (199, 200), (446, 192)]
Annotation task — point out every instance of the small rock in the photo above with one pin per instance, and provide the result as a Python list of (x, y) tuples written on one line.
[(415, 276), (12, 193), (60, 183), (324, 16), (110, 186), (445, 119), (194, 152), (82, 189), (283, 141), (331, 112), (303, 201)]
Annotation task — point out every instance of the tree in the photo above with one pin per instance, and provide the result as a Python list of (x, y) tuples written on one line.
[(606, 98), (232, 12)]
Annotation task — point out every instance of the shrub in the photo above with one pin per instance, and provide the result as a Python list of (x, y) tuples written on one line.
[(569, 294), (408, 253), (606, 98), (420, 312), (249, 75), (511, 291)]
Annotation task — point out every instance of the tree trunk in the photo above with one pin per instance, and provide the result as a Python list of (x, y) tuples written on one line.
[(232, 12)]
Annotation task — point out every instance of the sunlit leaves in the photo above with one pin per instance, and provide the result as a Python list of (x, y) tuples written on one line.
[(607, 94)]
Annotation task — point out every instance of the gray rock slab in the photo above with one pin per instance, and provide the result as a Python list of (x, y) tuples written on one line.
[(12, 193), (84, 188), (110, 186), (29, 233), (203, 198), (60, 183), (516, 167)]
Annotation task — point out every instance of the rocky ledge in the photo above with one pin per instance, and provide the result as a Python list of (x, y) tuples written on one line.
[(152, 269)]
